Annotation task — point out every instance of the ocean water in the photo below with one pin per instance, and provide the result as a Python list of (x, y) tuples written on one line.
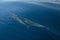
[(47, 15)]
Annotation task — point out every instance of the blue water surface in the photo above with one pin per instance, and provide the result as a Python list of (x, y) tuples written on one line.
[(47, 16)]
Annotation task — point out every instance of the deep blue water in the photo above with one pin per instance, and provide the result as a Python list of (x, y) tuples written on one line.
[(47, 16)]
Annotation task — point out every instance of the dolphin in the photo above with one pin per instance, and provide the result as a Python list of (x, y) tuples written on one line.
[(27, 22), (14, 16)]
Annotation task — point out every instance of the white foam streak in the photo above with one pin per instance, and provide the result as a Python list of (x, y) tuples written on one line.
[(34, 1)]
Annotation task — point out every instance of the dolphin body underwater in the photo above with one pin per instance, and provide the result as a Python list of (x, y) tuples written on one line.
[(27, 22), (42, 21)]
